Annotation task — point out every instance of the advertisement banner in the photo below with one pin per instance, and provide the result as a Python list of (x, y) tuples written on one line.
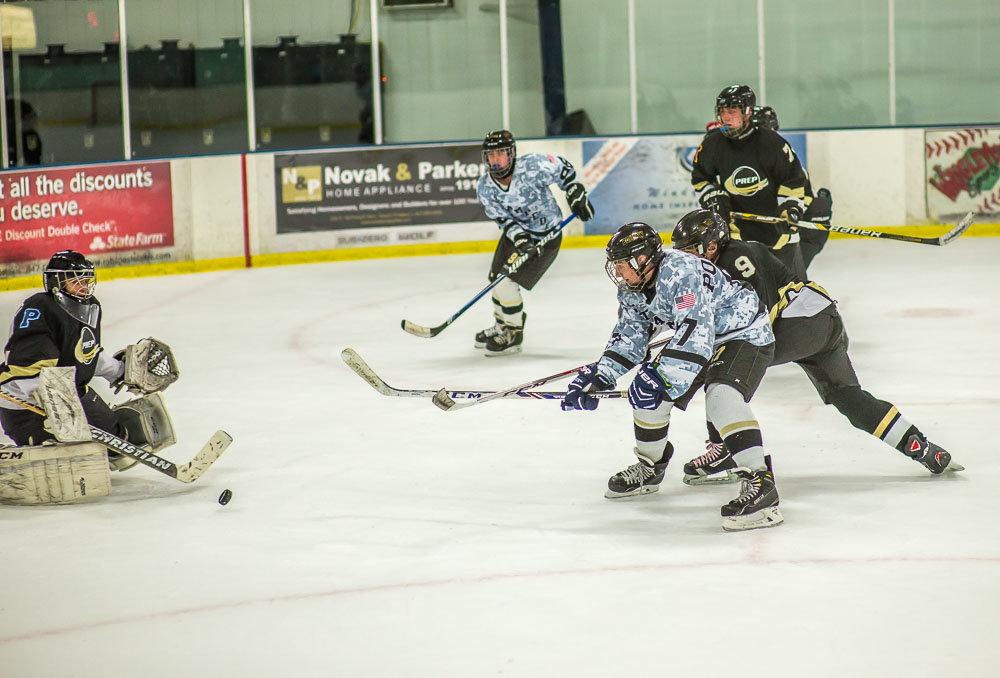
[(368, 188), (651, 181), (962, 168), (99, 209)]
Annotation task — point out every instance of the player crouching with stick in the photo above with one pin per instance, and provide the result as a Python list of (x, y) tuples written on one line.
[(722, 338), (47, 406)]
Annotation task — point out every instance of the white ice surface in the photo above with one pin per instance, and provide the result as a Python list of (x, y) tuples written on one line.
[(375, 536)]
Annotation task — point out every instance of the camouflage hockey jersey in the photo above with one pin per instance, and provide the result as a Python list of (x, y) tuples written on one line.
[(701, 303), (527, 204)]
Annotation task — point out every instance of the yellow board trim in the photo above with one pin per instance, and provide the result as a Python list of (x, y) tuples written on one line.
[(417, 250)]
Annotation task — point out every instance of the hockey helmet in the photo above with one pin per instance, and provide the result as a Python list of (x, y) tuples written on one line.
[(502, 141), (736, 96), (765, 117), (68, 266), (638, 247), (698, 229)]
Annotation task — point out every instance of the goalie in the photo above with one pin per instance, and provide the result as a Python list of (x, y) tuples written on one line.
[(53, 353)]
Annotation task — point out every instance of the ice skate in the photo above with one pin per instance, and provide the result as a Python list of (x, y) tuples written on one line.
[(715, 466), (757, 504), (642, 477), (508, 340), (935, 459), (483, 336)]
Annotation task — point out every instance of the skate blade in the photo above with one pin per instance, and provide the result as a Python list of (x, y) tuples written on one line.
[(646, 489), (768, 517), (721, 478), (953, 467), (506, 351)]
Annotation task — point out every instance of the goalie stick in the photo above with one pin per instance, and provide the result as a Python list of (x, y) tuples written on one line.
[(447, 403), (960, 228), (363, 370), (597, 168), (186, 473), (428, 332)]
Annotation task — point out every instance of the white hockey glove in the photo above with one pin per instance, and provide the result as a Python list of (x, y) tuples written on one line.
[(149, 367)]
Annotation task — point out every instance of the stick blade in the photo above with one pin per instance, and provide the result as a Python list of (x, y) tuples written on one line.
[(443, 400), (419, 330), (213, 449), (961, 228), (361, 368)]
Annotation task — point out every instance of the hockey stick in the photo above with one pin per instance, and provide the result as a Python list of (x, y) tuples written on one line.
[(187, 473), (958, 230), (362, 369), (597, 168), (428, 332), (446, 403)]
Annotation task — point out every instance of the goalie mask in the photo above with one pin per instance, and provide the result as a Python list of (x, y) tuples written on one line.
[(734, 108), (696, 230), (70, 278), (634, 254), (499, 153)]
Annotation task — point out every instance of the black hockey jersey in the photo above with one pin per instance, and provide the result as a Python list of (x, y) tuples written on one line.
[(43, 334), (782, 293), (758, 173)]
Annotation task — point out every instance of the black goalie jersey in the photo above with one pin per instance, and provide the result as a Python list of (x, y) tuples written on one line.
[(758, 173), (43, 334)]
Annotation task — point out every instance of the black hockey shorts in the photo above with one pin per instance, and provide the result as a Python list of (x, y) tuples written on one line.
[(819, 346), (737, 363), (532, 271), (25, 427)]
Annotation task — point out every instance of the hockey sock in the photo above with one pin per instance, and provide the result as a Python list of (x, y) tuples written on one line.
[(877, 417), (713, 433), (736, 425), (651, 432), (507, 303)]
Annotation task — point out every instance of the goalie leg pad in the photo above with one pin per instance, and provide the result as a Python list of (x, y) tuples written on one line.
[(54, 474), (147, 422), (64, 416)]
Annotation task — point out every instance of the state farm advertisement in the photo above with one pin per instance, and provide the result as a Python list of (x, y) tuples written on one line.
[(100, 209)]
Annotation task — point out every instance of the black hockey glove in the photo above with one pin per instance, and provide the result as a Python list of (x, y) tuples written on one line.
[(576, 196), (820, 210), (524, 244), (791, 212), (717, 200)]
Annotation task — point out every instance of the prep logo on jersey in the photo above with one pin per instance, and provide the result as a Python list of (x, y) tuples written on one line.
[(684, 301), (302, 184), (745, 181), (87, 347)]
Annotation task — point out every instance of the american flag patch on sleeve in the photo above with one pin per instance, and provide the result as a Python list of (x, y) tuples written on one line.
[(684, 301)]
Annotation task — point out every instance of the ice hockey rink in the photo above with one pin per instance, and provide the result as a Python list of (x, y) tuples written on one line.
[(377, 536)]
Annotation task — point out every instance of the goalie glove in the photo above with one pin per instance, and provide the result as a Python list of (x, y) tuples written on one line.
[(149, 367)]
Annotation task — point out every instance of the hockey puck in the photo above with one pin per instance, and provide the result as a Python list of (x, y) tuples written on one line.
[(225, 496)]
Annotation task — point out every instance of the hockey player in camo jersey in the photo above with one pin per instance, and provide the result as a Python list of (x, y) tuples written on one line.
[(515, 193), (722, 338), (808, 331)]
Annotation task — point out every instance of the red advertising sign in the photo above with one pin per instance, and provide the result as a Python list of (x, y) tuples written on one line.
[(97, 209)]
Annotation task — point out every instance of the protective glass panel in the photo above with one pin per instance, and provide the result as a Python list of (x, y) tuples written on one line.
[(597, 87), (947, 62), (62, 82), (187, 92), (442, 71), (827, 64), (686, 53), (312, 73)]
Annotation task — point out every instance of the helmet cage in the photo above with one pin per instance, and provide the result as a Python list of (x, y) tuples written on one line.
[(640, 247), (736, 96), (67, 267), (500, 140)]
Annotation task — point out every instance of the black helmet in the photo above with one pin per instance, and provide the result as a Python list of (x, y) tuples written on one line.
[(736, 96), (69, 265), (630, 242), (500, 140), (766, 118), (698, 229)]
